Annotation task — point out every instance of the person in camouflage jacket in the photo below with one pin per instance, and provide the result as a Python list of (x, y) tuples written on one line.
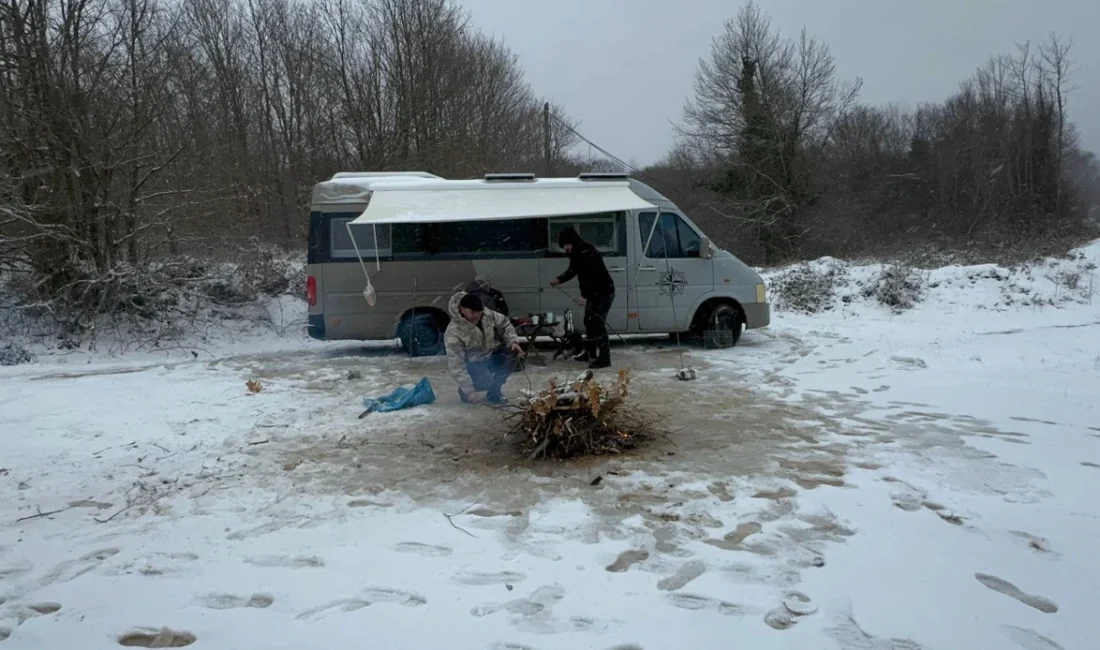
[(482, 347)]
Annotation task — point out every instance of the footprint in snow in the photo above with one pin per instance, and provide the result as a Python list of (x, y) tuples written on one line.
[(16, 570), (685, 574), (230, 601), (627, 559), (368, 597), (1002, 586), (698, 603), (721, 491), (396, 596), (907, 497), (1028, 639), (367, 503), (1035, 543), (489, 512), (912, 363), (743, 531), (795, 606), (540, 601), (426, 550), (151, 638), (72, 569), (284, 561), (333, 607), (775, 495), (477, 578)]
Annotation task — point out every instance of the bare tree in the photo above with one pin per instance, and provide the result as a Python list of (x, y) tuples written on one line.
[(764, 111)]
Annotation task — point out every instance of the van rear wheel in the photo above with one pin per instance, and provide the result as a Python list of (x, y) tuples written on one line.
[(422, 334), (722, 327)]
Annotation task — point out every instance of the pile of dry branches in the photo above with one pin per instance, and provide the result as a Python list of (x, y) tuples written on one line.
[(579, 418)]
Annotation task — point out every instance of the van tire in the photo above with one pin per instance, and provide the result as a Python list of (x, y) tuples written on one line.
[(422, 334), (726, 315)]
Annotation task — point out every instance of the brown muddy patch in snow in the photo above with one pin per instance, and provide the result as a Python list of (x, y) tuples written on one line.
[(733, 444), (721, 431)]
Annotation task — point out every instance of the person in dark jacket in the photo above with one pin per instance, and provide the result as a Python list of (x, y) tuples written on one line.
[(490, 296), (597, 294)]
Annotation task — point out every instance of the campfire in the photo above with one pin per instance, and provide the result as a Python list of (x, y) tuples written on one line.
[(581, 417)]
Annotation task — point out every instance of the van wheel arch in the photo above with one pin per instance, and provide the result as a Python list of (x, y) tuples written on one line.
[(723, 308), (421, 331)]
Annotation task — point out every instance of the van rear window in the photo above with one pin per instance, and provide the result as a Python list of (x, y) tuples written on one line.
[(341, 243)]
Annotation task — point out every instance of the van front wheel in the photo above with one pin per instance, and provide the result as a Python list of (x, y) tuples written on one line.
[(722, 327), (421, 335)]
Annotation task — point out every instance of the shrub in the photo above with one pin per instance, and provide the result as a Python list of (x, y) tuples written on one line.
[(898, 287), (809, 288), (12, 355)]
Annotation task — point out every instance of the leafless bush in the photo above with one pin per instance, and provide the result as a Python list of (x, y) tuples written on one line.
[(898, 287), (808, 288), (13, 355)]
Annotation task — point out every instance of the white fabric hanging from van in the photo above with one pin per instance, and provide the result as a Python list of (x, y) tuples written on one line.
[(487, 201)]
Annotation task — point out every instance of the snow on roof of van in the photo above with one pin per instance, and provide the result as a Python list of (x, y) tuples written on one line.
[(383, 174), (480, 200), (355, 187)]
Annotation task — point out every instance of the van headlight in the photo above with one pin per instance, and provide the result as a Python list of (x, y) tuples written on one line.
[(760, 293)]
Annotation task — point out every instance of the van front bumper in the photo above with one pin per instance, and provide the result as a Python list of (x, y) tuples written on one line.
[(757, 314)]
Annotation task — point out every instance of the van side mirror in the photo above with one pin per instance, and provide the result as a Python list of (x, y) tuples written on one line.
[(706, 249)]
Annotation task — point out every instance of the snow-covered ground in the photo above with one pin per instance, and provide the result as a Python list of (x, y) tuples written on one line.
[(853, 478)]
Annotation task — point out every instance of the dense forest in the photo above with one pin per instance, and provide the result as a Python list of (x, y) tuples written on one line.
[(136, 130)]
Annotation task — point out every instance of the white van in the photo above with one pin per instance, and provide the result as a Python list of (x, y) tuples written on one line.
[(419, 238)]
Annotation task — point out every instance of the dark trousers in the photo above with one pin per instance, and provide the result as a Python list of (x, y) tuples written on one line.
[(596, 311), (490, 373)]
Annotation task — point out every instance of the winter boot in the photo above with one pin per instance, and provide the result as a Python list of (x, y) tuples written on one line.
[(588, 353), (603, 359)]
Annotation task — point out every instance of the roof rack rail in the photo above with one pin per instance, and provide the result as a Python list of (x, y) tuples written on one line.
[(515, 176), (603, 176)]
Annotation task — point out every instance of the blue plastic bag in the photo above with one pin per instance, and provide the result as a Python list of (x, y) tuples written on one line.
[(401, 398)]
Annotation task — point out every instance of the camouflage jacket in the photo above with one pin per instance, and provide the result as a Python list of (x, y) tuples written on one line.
[(468, 342)]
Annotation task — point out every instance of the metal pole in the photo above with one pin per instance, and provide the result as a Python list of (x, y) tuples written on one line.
[(546, 135)]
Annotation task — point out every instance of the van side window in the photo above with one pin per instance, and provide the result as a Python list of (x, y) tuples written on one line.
[(479, 238), (672, 234), (600, 230)]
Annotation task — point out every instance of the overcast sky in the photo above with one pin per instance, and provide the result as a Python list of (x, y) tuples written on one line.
[(625, 67)]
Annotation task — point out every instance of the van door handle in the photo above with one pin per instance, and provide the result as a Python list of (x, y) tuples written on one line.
[(616, 269), (647, 268)]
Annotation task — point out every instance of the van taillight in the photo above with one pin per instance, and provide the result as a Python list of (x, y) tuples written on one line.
[(311, 291)]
